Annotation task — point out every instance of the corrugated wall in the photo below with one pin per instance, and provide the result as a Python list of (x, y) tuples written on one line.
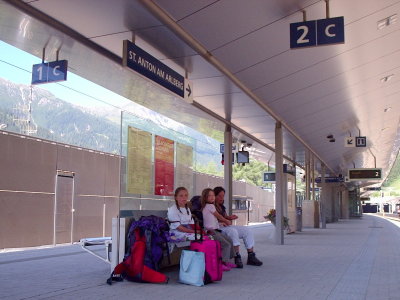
[(28, 177)]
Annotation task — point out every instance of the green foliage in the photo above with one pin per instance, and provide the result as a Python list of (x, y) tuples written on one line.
[(393, 179), (211, 168), (251, 173)]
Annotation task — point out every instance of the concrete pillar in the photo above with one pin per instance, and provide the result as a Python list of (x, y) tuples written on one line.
[(345, 205), (228, 168), (279, 184), (323, 198)]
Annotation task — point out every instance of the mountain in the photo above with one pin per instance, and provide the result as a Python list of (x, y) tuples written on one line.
[(24, 108)]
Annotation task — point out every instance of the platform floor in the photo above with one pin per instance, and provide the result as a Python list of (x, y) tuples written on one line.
[(351, 259)]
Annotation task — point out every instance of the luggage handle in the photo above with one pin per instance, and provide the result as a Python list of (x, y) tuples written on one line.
[(195, 230)]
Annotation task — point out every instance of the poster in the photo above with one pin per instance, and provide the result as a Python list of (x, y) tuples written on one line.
[(139, 168), (184, 166), (163, 166)]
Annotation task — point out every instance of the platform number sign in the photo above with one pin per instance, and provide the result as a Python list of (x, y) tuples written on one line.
[(49, 72), (317, 32)]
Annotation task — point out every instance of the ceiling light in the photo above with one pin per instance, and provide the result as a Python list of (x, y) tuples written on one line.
[(387, 21), (387, 78), (387, 109)]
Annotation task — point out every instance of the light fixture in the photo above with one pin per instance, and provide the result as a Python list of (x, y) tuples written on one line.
[(387, 109), (387, 21), (387, 78)]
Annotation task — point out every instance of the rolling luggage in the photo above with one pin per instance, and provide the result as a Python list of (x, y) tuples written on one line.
[(212, 253)]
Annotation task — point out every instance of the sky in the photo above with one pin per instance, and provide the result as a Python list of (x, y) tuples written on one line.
[(24, 62), (16, 66)]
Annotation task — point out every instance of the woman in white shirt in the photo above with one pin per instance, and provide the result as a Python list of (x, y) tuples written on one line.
[(180, 217)]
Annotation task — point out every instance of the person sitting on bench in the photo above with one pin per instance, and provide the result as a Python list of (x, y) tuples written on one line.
[(236, 232), (180, 217)]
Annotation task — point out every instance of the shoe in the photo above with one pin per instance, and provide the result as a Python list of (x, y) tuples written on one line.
[(225, 268), (253, 260), (230, 265), (238, 261)]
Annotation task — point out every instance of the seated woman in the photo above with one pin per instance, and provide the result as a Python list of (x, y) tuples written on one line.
[(180, 217), (210, 222)]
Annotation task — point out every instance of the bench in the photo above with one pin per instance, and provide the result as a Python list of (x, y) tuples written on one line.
[(116, 248), (174, 255)]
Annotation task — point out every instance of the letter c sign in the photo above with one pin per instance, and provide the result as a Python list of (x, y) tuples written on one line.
[(330, 31)]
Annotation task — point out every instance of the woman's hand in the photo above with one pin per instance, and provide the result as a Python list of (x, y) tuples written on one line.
[(227, 222)]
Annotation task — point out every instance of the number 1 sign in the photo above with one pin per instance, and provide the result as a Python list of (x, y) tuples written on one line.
[(317, 32)]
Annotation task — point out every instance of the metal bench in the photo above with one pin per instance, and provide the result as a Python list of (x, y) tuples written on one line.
[(106, 241)]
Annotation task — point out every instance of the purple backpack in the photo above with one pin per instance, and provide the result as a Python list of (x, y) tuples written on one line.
[(156, 231)]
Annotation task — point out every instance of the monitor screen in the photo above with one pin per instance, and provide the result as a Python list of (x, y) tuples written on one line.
[(242, 157)]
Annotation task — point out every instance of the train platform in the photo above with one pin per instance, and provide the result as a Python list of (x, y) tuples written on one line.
[(351, 259)]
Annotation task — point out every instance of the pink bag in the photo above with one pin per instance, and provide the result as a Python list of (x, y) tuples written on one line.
[(212, 253)]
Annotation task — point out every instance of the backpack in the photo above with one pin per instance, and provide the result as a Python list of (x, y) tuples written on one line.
[(156, 232), (196, 209), (146, 240)]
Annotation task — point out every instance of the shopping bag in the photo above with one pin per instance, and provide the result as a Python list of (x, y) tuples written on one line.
[(192, 267)]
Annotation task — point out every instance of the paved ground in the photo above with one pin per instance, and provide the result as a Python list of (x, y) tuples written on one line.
[(351, 259)]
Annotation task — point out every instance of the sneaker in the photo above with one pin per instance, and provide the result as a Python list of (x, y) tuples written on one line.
[(230, 265), (253, 260), (225, 268), (238, 261)]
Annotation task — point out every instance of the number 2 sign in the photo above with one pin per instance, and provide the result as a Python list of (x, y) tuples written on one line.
[(317, 32)]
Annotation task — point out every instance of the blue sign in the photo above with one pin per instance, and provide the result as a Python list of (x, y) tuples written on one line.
[(330, 179), (303, 34), (145, 64), (317, 32), (330, 31), (50, 72), (372, 188), (222, 148)]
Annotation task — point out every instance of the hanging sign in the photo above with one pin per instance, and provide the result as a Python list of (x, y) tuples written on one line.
[(361, 141), (49, 72), (145, 64), (365, 174), (317, 33), (330, 179), (269, 177)]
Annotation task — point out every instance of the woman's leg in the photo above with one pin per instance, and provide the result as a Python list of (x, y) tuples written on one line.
[(226, 247)]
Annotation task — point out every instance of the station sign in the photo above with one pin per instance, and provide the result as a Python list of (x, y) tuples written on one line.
[(269, 177), (330, 179), (53, 71), (147, 65), (317, 33), (365, 174), (372, 188)]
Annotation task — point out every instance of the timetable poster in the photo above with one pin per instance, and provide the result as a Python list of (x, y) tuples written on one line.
[(184, 166), (139, 169), (164, 166)]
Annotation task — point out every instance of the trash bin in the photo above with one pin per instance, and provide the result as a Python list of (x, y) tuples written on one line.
[(299, 221)]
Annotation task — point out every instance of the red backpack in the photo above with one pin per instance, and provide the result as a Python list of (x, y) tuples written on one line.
[(133, 267)]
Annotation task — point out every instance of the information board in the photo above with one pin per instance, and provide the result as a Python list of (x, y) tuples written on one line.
[(365, 174)]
